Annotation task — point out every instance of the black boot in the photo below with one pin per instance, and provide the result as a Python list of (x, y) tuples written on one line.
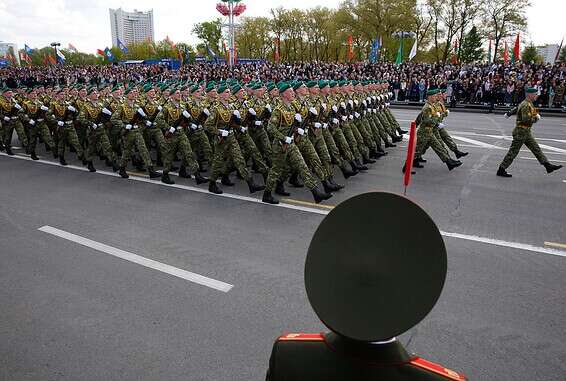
[(115, 166), (389, 145), (153, 174), (225, 180), (83, 160), (166, 179), (460, 154), (107, 162), (279, 189), (122, 172), (183, 172), (295, 182), (254, 187), (416, 164), (9, 150), (551, 167), (62, 160), (451, 164), (335, 184), (503, 173), (396, 139), (420, 160), (360, 166), (214, 188), (200, 179), (368, 161), (90, 167), (34, 156), (405, 168), (400, 131), (327, 187), (269, 199), (320, 196), (55, 153), (347, 173)]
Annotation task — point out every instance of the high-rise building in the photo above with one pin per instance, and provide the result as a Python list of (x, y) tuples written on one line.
[(8, 47), (131, 27), (548, 52)]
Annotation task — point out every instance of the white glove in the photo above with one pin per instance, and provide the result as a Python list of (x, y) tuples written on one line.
[(387, 104), (186, 114), (365, 103), (344, 118), (252, 111), (356, 102), (172, 130), (148, 123), (32, 122), (128, 126), (334, 108), (390, 95), (343, 105), (351, 117), (268, 107), (17, 106), (243, 129), (357, 115), (438, 114), (317, 125), (441, 125), (373, 97), (60, 124), (71, 108), (206, 112), (351, 103), (288, 140), (106, 111), (506, 116), (335, 121), (44, 108), (140, 111), (159, 108), (447, 111), (324, 125), (368, 99), (223, 133), (323, 105), (313, 111), (374, 111), (301, 131), (257, 122), (193, 126), (237, 114), (94, 126), (6, 119), (298, 118), (538, 117)]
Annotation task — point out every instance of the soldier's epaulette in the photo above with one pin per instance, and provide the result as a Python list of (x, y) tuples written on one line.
[(302, 337), (438, 369)]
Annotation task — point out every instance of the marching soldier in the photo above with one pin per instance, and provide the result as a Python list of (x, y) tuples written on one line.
[(11, 111), (197, 136), (440, 132), (527, 115), (35, 116), (64, 115)]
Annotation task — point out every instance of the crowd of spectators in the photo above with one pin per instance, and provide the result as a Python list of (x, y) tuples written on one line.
[(484, 84)]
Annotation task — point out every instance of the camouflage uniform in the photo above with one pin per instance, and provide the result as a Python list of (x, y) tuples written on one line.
[(66, 133), (11, 112), (35, 117), (94, 119), (425, 134), (128, 120), (197, 136)]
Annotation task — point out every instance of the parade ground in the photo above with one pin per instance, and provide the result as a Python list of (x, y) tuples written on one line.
[(104, 278)]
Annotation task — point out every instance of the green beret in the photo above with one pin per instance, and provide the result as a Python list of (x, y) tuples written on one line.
[(235, 88), (270, 86), (322, 84), (282, 86), (432, 92), (194, 88), (531, 90), (298, 84), (147, 88), (222, 88), (128, 90), (343, 83), (332, 84), (90, 90)]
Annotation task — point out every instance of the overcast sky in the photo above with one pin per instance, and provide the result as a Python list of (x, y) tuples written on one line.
[(86, 23)]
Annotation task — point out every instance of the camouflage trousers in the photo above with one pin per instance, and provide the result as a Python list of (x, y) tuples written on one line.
[(98, 142), (153, 134), (341, 143), (9, 128), (522, 136), (392, 121), (443, 136), (313, 162), (389, 129), (332, 148), (381, 131), (367, 136), (352, 142), (317, 139), (81, 134), (250, 151), (227, 153), (261, 140), (67, 136), (114, 133), (288, 157), (364, 150), (425, 139), (40, 130), (133, 139), (179, 143), (201, 145)]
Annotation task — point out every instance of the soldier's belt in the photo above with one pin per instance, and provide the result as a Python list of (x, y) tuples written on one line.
[(39, 120), (523, 126)]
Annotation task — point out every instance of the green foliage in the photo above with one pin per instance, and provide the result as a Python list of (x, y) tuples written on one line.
[(471, 50), (530, 55), (210, 33), (563, 55)]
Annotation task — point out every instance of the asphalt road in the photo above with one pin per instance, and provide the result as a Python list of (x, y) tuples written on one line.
[(74, 312)]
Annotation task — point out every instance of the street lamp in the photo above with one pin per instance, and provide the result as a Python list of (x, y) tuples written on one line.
[(55, 45), (232, 10)]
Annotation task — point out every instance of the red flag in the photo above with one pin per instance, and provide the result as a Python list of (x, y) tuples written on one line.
[(100, 52), (516, 49), (277, 54), (350, 48), (505, 54), (410, 155), (455, 56)]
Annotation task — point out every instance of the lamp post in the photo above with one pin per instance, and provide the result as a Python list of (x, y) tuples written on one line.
[(231, 9), (55, 45)]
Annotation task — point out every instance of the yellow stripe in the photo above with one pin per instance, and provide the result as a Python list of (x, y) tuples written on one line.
[(554, 244), (306, 203)]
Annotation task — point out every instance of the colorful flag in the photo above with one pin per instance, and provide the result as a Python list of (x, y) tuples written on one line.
[(413, 52), (72, 48), (109, 55), (505, 54), (60, 56), (277, 52), (211, 53), (516, 51), (122, 47), (350, 48), (100, 52), (557, 58), (399, 59), (29, 51), (455, 56), (52, 60), (374, 51)]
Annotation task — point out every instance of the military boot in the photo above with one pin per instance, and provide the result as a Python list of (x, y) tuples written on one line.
[(122, 172), (451, 164), (551, 167), (253, 186), (279, 189), (269, 199), (460, 154), (349, 173), (335, 184), (183, 172), (62, 160), (152, 173), (416, 164), (396, 139), (501, 172), (405, 168), (327, 187), (225, 180), (368, 161), (200, 179), (400, 131), (295, 182), (115, 166), (214, 188), (90, 166), (9, 150), (360, 166), (166, 179), (320, 196), (34, 156), (389, 145)]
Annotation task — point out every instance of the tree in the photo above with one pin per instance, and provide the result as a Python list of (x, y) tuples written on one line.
[(530, 55), (504, 18), (210, 33), (471, 49)]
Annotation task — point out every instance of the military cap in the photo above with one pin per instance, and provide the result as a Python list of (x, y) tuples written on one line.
[(531, 90), (322, 84), (332, 84), (283, 86), (311, 84), (222, 88), (271, 86), (194, 88), (432, 92), (235, 88), (298, 84)]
